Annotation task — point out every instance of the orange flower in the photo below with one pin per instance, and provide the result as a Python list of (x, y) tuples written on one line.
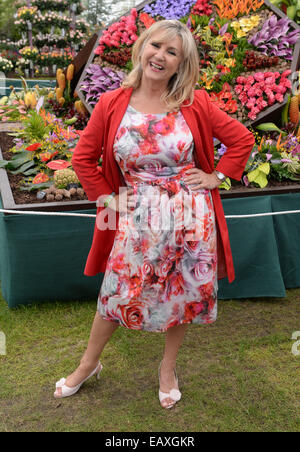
[(146, 19)]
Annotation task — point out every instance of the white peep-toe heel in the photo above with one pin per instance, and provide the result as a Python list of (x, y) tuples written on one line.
[(174, 394), (67, 391)]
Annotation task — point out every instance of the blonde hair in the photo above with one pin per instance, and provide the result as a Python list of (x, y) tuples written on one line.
[(182, 84)]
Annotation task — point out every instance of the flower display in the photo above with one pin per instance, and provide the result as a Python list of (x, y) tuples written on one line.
[(29, 52), (274, 158), (244, 48), (26, 12), (5, 65), (262, 90), (224, 99), (99, 80), (230, 9), (233, 38), (44, 145), (46, 26), (168, 9), (60, 57), (202, 8), (244, 25), (275, 38), (119, 33)]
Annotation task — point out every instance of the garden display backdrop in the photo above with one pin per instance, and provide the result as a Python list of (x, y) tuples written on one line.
[(51, 34), (249, 65), (249, 60), (249, 55)]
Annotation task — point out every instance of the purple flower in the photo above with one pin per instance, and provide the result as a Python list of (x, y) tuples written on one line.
[(168, 9), (223, 29), (99, 80), (274, 38), (222, 149)]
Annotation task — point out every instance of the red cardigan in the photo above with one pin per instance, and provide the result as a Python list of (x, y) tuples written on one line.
[(205, 120)]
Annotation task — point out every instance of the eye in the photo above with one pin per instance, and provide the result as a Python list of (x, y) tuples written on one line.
[(154, 44)]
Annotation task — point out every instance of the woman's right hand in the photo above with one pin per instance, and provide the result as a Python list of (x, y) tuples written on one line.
[(123, 202)]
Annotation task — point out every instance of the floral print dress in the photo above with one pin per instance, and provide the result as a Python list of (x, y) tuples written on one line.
[(162, 269)]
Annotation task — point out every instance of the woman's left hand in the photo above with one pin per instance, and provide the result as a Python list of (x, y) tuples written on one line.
[(199, 179)]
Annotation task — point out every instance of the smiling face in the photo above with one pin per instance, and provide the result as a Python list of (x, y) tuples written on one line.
[(161, 58)]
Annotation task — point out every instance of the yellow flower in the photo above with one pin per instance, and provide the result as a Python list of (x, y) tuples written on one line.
[(241, 34)]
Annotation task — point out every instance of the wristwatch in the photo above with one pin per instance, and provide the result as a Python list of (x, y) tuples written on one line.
[(220, 176)]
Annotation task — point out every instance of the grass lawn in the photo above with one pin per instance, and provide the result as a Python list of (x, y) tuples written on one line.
[(238, 374)]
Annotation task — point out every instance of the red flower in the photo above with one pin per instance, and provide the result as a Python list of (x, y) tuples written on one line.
[(58, 164), (33, 147), (192, 309), (39, 178), (132, 315), (46, 156)]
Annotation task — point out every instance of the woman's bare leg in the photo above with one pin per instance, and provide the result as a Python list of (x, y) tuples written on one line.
[(101, 332), (174, 338)]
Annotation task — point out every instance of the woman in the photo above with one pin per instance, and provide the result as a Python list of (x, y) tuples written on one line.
[(155, 135)]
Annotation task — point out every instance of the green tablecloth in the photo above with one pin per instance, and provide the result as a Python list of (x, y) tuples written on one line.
[(42, 258), (266, 250)]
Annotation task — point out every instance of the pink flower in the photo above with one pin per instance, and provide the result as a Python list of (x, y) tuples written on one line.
[(279, 97), (252, 115), (281, 89), (258, 92), (238, 89), (241, 80), (251, 92), (286, 73), (286, 83), (271, 100), (259, 77), (243, 98), (251, 103), (270, 80)]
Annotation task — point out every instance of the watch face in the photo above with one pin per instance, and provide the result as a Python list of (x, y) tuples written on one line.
[(221, 176)]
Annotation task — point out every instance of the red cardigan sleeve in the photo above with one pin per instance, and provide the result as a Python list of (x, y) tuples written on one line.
[(236, 137), (86, 156)]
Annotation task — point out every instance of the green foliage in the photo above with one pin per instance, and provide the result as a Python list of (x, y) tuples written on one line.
[(8, 30), (239, 55), (200, 21), (34, 128)]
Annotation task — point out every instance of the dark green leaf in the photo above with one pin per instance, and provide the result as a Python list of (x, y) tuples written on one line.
[(3, 163), (36, 186), (31, 171), (24, 167)]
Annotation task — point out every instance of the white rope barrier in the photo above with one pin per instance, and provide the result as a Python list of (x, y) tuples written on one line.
[(266, 214), (56, 214), (59, 214)]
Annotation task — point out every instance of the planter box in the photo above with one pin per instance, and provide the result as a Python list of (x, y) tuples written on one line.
[(8, 201), (244, 192), (43, 257)]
